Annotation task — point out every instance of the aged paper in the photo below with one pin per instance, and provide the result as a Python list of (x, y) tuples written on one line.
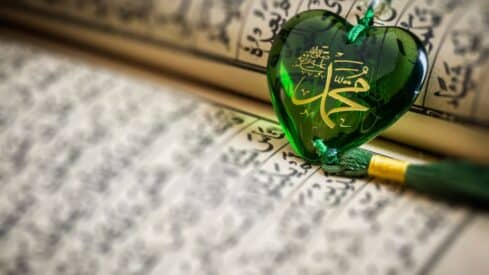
[(227, 43), (102, 173)]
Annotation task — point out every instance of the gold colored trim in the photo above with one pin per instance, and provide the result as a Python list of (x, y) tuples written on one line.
[(387, 168)]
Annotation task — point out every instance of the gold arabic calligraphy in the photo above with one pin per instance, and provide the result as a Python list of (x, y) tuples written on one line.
[(313, 64)]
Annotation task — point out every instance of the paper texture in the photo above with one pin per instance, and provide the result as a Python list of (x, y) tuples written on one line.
[(227, 42), (104, 174)]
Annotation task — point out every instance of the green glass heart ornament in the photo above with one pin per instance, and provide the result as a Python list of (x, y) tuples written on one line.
[(324, 87)]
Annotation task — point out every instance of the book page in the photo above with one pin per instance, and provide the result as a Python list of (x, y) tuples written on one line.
[(227, 43), (103, 173)]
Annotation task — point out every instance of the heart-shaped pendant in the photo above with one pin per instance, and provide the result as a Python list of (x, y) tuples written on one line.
[(323, 87)]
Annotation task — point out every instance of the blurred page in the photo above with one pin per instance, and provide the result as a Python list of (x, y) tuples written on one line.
[(101, 173), (227, 43)]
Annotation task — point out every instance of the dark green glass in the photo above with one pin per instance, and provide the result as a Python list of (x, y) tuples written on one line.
[(323, 87)]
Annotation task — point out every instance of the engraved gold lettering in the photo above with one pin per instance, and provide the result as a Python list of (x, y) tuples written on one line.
[(360, 85)]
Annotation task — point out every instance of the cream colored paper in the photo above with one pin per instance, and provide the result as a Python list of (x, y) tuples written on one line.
[(117, 171)]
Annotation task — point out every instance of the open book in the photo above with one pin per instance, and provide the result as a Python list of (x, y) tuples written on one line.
[(226, 43), (113, 168)]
